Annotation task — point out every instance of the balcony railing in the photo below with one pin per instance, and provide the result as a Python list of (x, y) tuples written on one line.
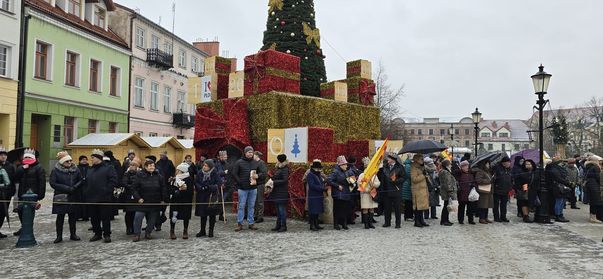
[(159, 58), (183, 120)]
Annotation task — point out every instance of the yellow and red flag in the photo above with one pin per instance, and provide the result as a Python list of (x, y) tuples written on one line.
[(373, 166)]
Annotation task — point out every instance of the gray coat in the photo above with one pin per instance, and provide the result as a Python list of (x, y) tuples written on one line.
[(482, 177), (448, 187)]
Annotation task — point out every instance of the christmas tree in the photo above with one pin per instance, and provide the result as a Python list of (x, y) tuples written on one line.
[(291, 28), (295, 150)]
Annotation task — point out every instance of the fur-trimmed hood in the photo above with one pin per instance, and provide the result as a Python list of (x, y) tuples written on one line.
[(61, 168)]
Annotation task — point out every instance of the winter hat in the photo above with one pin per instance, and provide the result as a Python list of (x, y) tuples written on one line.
[(316, 164), (3, 151), (97, 153), (392, 155), (63, 157), (209, 163), (247, 149), (135, 162), (366, 161), (446, 163), (29, 153), (109, 153), (281, 158), (82, 157), (131, 152), (428, 160), (183, 167), (464, 163), (222, 153), (505, 159), (341, 160)]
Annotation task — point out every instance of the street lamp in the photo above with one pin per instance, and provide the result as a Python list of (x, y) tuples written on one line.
[(451, 132), (541, 84), (477, 118)]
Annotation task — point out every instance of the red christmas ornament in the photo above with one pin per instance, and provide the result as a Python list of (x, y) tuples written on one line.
[(318, 51), (283, 23)]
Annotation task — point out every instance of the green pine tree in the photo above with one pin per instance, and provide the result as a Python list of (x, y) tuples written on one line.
[(291, 28), (560, 132)]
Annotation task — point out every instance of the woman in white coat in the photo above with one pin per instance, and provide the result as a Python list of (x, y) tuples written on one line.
[(367, 204)]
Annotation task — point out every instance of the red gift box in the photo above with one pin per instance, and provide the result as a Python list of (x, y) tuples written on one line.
[(270, 70), (320, 144), (361, 91)]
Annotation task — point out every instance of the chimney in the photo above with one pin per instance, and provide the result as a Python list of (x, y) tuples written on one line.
[(211, 48)]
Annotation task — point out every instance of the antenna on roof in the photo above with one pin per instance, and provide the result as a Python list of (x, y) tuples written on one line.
[(173, 21), (159, 23), (137, 10)]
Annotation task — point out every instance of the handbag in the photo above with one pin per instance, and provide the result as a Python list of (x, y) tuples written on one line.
[(485, 188), (60, 198), (473, 195), (453, 205), (269, 187), (214, 201)]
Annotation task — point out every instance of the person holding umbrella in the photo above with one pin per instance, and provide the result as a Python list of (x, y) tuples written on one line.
[(7, 187), (420, 192)]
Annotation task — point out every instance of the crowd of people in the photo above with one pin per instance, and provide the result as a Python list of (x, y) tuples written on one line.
[(412, 188)]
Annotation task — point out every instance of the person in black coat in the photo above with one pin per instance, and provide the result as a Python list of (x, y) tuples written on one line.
[(83, 167), (503, 183), (556, 180), (6, 190), (181, 190), (246, 181), (128, 195), (167, 170), (151, 192), (207, 183), (66, 180), (524, 181), (280, 192), (340, 191), (30, 176), (101, 180), (392, 176)]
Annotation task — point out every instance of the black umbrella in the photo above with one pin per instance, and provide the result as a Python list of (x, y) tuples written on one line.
[(494, 157), (423, 147)]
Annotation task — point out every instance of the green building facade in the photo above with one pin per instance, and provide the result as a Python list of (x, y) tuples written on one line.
[(77, 78)]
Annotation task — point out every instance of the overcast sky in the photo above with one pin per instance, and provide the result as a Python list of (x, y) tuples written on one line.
[(451, 56)]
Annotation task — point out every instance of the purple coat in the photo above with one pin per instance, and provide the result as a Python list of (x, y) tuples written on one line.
[(466, 182)]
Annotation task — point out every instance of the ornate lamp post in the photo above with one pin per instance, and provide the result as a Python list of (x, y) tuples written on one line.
[(477, 118), (451, 132), (541, 84)]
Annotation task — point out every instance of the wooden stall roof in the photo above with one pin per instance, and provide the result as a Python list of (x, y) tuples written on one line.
[(108, 139), (187, 143), (156, 142)]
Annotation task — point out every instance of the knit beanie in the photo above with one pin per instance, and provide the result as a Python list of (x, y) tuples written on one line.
[(63, 157), (341, 160), (464, 163), (82, 157), (281, 158), (183, 167), (209, 163), (247, 149), (97, 153)]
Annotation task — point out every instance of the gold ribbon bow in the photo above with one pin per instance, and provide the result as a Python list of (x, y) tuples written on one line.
[(275, 4), (311, 35)]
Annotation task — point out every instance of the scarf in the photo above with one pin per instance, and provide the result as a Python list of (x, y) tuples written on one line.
[(181, 177), (206, 175)]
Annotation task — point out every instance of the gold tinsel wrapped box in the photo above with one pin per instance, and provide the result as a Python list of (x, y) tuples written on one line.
[(217, 65), (335, 90), (235, 84), (359, 69)]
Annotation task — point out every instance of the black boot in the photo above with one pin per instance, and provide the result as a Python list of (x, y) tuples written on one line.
[(344, 224), (422, 220), (277, 227), (202, 232), (317, 223), (365, 221), (59, 238), (283, 227), (212, 224), (417, 220), (370, 220), (72, 232), (313, 223)]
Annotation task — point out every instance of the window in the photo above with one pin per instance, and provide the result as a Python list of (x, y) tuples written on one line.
[(503, 135), (180, 107), (113, 127), (168, 48), (5, 5), (154, 96), (442, 132), (182, 60), (140, 42), (68, 130), (56, 133), (73, 7), (485, 135), (152, 134), (431, 132), (167, 135), (99, 17), (467, 144), (167, 100), (194, 64), (504, 147), (41, 60), (516, 147), (412, 131), (139, 92), (154, 42), (114, 88), (490, 146), (95, 67), (92, 126), (3, 61), (419, 131), (526, 146), (71, 74), (457, 131), (467, 132)]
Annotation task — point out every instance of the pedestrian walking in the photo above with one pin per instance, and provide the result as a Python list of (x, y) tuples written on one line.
[(420, 192), (466, 184), (207, 183), (31, 176), (448, 190), (483, 179), (280, 192), (368, 196), (503, 183), (134, 167), (101, 180), (181, 191), (392, 176), (246, 173), (150, 191), (316, 190), (340, 191), (65, 179), (7, 186)]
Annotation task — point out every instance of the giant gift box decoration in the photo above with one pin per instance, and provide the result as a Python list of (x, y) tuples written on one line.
[(361, 91), (271, 70), (359, 69), (235, 84), (335, 90), (219, 69)]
